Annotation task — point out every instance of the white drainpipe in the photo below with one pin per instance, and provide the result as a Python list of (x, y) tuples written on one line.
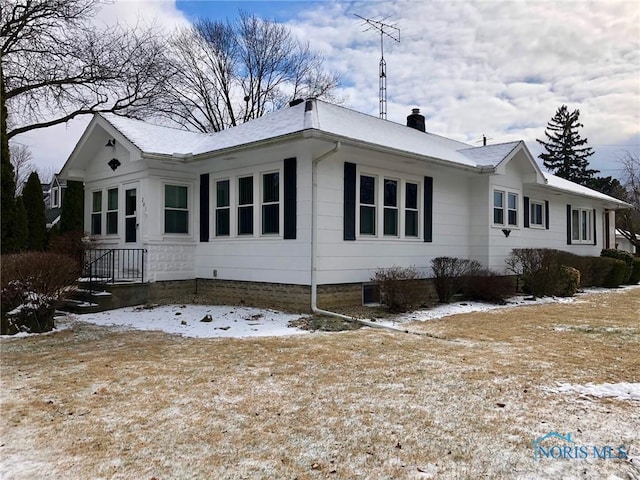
[(314, 247)]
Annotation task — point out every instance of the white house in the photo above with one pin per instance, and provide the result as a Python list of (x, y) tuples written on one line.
[(623, 243), (314, 197)]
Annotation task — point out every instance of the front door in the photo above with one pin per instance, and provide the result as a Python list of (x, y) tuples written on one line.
[(131, 215)]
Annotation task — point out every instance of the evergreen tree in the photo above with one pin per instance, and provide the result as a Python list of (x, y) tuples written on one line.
[(565, 154), (72, 216), (20, 228), (607, 185), (36, 219), (8, 186)]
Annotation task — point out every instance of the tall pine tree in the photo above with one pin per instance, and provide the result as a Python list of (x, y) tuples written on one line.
[(8, 188), (36, 219), (565, 152), (72, 216)]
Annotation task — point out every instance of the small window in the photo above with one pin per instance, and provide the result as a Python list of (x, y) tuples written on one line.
[(536, 214), (390, 221), (498, 207), (581, 225), (54, 197), (367, 205), (411, 210), (512, 208), (223, 209), (176, 213), (112, 211), (245, 206), (96, 213), (271, 203)]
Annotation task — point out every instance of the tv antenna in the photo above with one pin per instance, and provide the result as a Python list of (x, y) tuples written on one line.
[(393, 33)]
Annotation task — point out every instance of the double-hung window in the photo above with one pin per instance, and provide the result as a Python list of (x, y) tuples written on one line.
[(536, 214), (271, 203), (96, 213), (411, 210), (245, 206), (112, 211), (581, 225), (390, 218), (367, 205), (223, 208), (176, 209), (505, 208)]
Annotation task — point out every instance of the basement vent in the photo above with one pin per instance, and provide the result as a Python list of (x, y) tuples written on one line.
[(370, 294)]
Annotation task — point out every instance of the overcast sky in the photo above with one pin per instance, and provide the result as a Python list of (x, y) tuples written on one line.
[(491, 67)]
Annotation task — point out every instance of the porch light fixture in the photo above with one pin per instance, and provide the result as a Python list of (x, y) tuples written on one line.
[(114, 163), (111, 143), (506, 231)]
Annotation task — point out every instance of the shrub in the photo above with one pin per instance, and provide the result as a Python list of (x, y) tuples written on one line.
[(400, 288), (488, 286), (450, 275), (616, 272), (538, 267), (626, 257), (33, 284), (585, 265), (635, 275), (72, 244), (568, 281)]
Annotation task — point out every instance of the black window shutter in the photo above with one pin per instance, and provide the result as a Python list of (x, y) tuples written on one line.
[(204, 207), (290, 201), (526, 212), (595, 228), (428, 209), (568, 224), (349, 201), (546, 214)]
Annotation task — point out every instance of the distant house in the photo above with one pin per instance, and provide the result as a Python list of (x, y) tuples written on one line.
[(304, 203), (53, 195), (622, 243)]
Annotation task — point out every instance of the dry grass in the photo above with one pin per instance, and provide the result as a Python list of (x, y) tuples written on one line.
[(99, 403)]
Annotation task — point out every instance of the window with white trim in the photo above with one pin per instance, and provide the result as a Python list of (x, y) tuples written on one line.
[(411, 214), (367, 201), (55, 193), (270, 203), (536, 214), (245, 205), (390, 219), (176, 209), (505, 213), (581, 225), (96, 213), (223, 208), (112, 211)]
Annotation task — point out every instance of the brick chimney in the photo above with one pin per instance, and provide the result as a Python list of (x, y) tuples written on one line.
[(416, 120)]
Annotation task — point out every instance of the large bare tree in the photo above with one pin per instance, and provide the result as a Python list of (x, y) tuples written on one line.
[(22, 167), (56, 65), (628, 221), (231, 72)]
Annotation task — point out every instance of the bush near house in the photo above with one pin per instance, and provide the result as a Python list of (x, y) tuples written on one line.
[(32, 286), (626, 257), (539, 269), (594, 271), (400, 288), (451, 274), (568, 281), (635, 275), (488, 286)]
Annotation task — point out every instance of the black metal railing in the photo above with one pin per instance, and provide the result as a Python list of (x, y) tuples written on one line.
[(113, 265)]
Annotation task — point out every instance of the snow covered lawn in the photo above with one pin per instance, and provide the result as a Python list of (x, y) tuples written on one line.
[(460, 397)]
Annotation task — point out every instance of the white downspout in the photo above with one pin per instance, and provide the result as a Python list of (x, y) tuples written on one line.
[(314, 226), (314, 248)]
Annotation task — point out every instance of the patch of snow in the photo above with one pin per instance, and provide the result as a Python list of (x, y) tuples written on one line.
[(620, 391), (184, 320)]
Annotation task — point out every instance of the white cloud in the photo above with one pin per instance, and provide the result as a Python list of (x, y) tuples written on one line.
[(499, 68)]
